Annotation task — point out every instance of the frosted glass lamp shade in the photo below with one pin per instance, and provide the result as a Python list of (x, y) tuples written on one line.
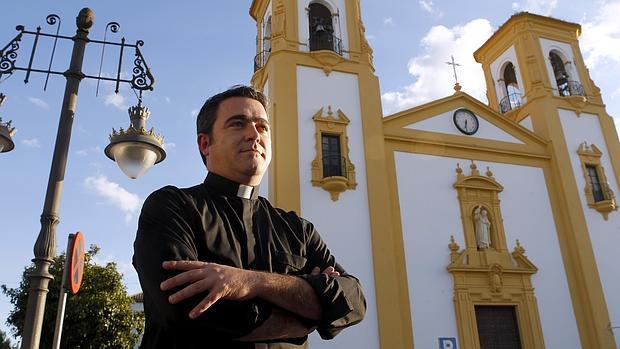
[(134, 158)]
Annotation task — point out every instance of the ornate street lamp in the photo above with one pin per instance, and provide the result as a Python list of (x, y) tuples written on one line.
[(6, 132), (135, 150)]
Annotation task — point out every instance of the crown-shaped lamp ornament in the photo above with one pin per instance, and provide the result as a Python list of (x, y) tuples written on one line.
[(135, 149), (6, 132)]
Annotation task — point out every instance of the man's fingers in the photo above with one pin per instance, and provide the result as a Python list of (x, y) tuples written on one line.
[(331, 271), (183, 265), (191, 290), (182, 279), (209, 300)]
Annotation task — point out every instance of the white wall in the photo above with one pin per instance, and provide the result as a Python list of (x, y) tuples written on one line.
[(444, 123), (430, 214), (339, 22), (497, 69), (344, 224), (605, 235), (566, 53), (527, 123)]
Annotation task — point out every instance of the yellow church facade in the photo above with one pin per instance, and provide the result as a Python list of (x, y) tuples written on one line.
[(470, 225)]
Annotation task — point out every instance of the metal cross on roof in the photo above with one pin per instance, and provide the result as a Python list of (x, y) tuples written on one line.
[(454, 65)]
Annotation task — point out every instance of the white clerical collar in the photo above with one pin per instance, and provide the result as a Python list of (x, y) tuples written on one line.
[(244, 191)]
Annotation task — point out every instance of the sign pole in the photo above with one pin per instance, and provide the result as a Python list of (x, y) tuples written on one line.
[(62, 297)]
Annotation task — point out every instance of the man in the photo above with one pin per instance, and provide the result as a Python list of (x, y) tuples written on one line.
[(220, 267)]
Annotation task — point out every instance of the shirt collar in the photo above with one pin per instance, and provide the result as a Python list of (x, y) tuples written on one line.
[(227, 187)]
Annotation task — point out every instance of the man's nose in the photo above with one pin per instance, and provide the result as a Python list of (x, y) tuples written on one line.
[(251, 132)]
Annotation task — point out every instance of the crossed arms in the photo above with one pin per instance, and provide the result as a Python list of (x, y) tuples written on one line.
[(242, 305)]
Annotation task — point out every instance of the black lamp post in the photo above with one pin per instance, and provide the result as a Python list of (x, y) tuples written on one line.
[(135, 150)]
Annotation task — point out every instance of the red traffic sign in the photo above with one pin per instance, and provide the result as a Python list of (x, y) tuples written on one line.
[(76, 262)]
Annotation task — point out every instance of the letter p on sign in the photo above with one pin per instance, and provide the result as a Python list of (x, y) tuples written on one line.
[(447, 343)]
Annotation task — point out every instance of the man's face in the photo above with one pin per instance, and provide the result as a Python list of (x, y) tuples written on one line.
[(240, 146)]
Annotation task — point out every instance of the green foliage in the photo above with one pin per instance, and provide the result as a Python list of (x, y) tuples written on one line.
[(4, 341), (98, 316)]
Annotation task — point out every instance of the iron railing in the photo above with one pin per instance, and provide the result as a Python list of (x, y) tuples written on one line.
[(325, 41), (260, 59), (510, 102), (571, 88)]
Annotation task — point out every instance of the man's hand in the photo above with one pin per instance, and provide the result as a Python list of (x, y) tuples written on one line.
[(226, 282), (222, 282)]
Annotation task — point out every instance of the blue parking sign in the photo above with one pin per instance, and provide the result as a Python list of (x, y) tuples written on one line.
[(447, 343)]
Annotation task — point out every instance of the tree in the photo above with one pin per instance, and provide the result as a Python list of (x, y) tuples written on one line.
[(4, 341), (98, 316)]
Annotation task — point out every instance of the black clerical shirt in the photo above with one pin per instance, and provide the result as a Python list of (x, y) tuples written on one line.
[(223, 222)]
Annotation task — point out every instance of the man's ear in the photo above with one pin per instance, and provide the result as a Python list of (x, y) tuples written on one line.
[(203, 144)]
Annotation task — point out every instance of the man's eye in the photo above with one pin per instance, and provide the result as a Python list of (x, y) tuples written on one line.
[(262, 128), (237, 124)]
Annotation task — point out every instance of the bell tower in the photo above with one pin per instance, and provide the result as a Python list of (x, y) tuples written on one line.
[(530, 57), (536, 76), (314, 63)]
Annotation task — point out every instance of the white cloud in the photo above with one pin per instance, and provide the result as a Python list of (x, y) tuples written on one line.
[(541, 7), (170, 145), (115, 194), (601, 35), (388, 21), (426, 5), (32, 143), (90, 150), (433, 77), (38, 102), (194, 112), (117, 100), (167, 99)]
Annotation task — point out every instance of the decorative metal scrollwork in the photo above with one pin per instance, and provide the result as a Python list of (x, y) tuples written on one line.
[(142, 78), (8, 55), (113, 27), (51, 20)]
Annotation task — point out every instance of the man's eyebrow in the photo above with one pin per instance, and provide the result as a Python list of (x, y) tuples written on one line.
[(243, 117)]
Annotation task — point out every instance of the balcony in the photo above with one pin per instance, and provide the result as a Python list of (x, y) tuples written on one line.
[(325, 41), (570, 88), (260, 60), (510, 102)]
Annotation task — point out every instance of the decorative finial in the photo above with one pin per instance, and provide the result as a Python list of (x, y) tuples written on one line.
[(453, 245), (518, 248), (457, 87), (85, 19), (459, 170), (489, 173), (474, 169), (330, 113)]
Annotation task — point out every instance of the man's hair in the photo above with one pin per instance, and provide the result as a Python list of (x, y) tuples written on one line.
[(208, 113)]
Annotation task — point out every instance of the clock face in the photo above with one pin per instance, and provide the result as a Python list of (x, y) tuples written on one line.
[(466, 121)]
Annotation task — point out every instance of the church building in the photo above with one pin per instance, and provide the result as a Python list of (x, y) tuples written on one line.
[(469, 224)]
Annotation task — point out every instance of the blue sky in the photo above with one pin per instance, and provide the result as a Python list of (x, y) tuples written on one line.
[(196, 48)]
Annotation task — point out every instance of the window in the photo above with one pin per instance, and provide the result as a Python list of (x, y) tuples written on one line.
[(332, 164), (497, 327), (599, 194), (332, 168), (595, 184), (321, 29)]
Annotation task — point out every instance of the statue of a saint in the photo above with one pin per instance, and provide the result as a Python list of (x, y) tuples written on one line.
[(482, 227)]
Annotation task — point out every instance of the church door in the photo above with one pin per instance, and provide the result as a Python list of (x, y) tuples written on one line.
[(497, 327)]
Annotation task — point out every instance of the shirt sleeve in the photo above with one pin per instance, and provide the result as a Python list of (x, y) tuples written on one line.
[(341, 296), (165, 233)]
